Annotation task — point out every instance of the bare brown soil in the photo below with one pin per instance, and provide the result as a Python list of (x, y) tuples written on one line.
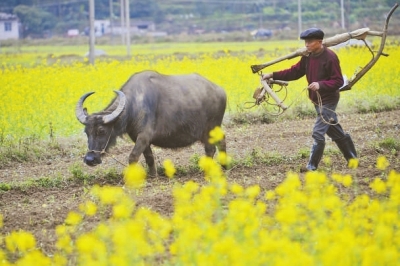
[(264, 154)]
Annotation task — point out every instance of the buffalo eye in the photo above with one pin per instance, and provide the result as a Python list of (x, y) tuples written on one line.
[(101, 131)]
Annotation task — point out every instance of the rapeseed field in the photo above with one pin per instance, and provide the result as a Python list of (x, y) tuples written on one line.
[(40, 98)]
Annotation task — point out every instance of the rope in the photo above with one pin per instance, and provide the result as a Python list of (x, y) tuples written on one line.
[(103, 151), (321, 107), (265, 98)]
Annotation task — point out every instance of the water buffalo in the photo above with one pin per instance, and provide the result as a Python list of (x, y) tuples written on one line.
[(168, 111)]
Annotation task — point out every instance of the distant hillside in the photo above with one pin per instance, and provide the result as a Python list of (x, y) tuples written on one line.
[(55, 17)]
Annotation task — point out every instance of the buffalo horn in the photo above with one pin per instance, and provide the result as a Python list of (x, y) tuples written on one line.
[(80, 114), (121, 105)]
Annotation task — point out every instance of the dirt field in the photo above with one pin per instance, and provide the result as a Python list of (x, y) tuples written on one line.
[(265, 152)]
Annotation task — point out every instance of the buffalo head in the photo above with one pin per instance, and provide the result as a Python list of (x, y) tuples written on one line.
[(99, 127)]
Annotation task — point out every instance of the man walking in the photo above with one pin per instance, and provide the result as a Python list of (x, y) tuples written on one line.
[(324, 76)]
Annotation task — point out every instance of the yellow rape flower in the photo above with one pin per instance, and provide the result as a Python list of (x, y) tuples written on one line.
[(108, 194), (59, 259), (34, 257), (64, 243), (103, 230), (269, 195), (20, 240), (236, 189), (210, 168), (382, 163), (88, 243), (253, 191), (134, 176), (169, 168), (122, 210), (378, 186), (89, 208), (3, 258), (224, 159), (216, 135), (353, 163), (347, 180), (337, 177), (73, 218)]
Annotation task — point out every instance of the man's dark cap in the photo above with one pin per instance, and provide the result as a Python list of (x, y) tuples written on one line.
[(312, 33)]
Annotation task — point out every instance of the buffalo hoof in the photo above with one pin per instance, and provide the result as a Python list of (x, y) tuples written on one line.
[(152, 173)]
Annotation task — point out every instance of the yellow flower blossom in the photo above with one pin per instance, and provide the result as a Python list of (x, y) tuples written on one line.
[(108, 194), (169, 168), (103, 231), (20, 240), (122, 210), (382, 163), (252, 191), (134, 176), (216, 135), (88, 243), (34, 257), (347, 180), (73, 218), (89, 208), (269, 195), (378, 186), (236, 189), (353, 163), (210, 168), (224, 159)]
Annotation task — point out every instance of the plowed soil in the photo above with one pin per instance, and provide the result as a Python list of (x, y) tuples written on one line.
[(264, 153)]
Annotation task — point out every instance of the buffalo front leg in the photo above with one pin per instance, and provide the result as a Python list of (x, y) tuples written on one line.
[(142, 147), (210, 149)]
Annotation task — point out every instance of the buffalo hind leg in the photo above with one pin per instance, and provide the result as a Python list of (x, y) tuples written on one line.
[(148, 155)]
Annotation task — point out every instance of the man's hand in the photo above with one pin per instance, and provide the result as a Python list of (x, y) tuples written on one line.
[(267, 76), (313, 86)]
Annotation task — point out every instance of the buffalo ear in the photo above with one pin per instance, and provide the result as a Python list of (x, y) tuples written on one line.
[(85, 111)]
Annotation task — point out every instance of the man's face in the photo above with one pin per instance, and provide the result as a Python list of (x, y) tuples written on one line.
[(312, 45)]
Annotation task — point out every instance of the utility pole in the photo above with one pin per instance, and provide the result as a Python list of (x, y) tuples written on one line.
[(342, 13), (91, 32), (128, 28), (111, 22), (299, 14), (122, 17)]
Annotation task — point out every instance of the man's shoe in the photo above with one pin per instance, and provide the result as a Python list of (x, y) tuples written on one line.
[(346, 146), (317, 151)]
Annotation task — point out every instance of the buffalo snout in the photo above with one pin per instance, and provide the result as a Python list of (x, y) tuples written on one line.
[(92, 159)]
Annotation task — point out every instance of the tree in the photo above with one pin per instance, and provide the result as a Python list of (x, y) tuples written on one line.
[(35, 22)]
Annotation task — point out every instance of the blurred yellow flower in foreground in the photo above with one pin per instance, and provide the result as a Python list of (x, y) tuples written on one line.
[(134, 176), (224, 159), (216, 135), (20, 240), (378, 186), (353, 163), (382, 163), (73, 218), (89, 208), (169, 168)]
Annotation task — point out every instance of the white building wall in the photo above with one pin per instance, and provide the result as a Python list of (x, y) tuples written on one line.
[(9, 29)]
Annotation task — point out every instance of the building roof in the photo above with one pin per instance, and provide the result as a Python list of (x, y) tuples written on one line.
[(5, 16)]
